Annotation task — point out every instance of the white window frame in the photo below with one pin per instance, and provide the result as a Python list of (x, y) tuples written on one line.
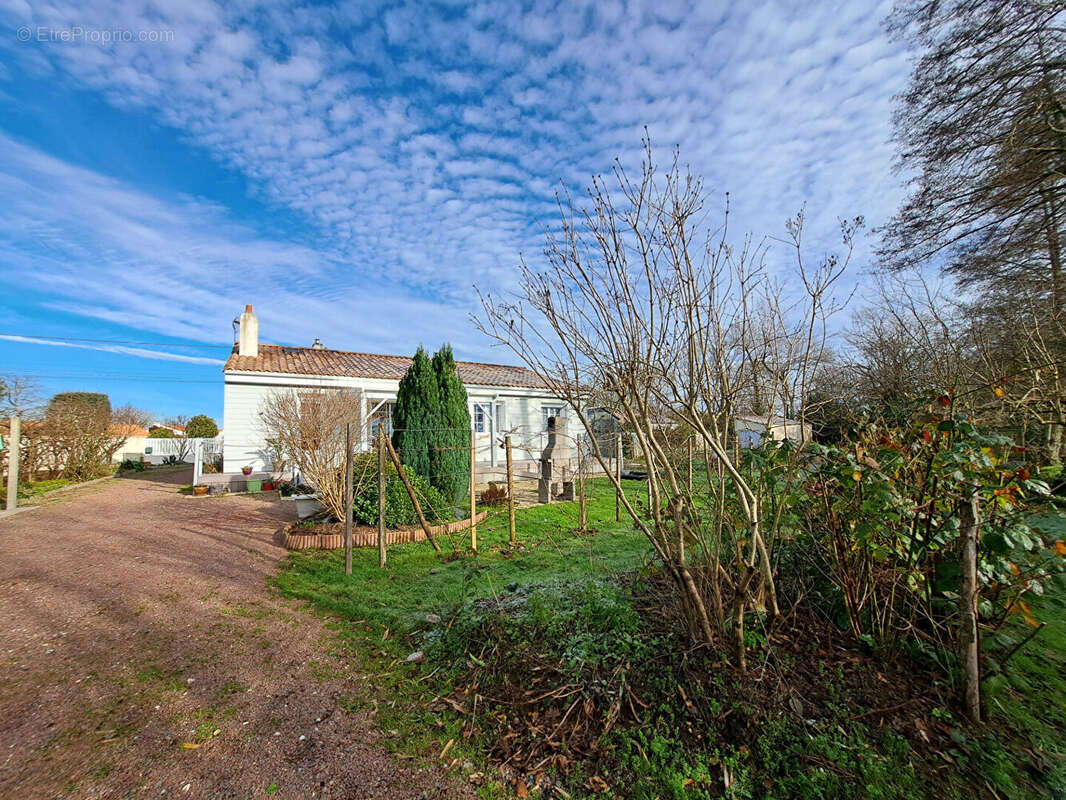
[(550, 411)]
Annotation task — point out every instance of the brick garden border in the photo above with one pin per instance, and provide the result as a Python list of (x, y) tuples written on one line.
[(365, 536)]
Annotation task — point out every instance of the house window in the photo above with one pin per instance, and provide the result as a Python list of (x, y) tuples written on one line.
[(551, 411), (381, 421), (478, 419)]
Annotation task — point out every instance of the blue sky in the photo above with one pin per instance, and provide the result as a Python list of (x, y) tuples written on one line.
[(355, 170)]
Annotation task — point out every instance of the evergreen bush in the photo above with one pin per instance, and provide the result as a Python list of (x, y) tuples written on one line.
[(416, 418), (451, 464)]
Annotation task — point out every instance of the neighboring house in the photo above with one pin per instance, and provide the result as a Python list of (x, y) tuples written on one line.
[(177, 430), (503, 399), (133, 439), (752, 429)]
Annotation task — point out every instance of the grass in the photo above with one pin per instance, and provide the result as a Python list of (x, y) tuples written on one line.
[(30, 489), (417, 581), (1020, 752)]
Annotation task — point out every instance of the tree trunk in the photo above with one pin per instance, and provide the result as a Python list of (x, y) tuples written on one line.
[(969, 655)]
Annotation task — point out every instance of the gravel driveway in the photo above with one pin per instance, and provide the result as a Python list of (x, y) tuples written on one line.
[(145, 656)]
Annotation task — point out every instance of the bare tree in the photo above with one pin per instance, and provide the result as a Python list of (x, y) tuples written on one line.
[(19, 396), (130, 415), (644, 309), (308, 428)]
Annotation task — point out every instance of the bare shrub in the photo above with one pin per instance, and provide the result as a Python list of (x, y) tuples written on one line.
[(308, 428), (646, 310)]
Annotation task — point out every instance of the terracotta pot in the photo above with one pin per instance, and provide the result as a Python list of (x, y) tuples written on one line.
[(199, 491)]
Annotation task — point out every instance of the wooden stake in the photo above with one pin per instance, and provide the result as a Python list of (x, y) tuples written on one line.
[(648, 466), (473, 499), (510, 492), (348, 491), (410, 493), (15, 439), (381, 500), (618, 476), (581, 482), (968, 639), (690, 466)]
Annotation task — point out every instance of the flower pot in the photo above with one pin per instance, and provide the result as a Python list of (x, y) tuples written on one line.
[(246, 470), (200, 491), (269, 486), (255, 485)]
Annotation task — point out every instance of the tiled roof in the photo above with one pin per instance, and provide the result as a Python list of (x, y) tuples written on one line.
[(310, 361), (126, 429)]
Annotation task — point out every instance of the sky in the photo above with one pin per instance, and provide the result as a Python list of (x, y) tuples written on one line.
[(358, 172)]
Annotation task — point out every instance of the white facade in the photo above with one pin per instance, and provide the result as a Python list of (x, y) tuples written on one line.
[(494, 410)]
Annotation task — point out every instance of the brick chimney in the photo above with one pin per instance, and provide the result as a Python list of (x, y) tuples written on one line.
[(248, 343)]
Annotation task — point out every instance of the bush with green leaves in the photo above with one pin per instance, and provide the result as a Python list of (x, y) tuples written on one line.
[(201, 427), (161, 433), (878, 514), (399, 510)]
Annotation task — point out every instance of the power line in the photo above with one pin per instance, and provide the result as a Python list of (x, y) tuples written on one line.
[(23, 337), (98, 376)]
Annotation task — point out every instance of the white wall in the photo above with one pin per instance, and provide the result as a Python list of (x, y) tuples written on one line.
[(134, 447), (245, 393), (244, 441)]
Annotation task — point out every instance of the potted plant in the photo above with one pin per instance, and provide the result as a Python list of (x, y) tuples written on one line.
[(246, 470), (268, 486), (200, 489)]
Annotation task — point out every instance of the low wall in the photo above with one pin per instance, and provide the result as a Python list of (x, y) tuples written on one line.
[(365, 536)]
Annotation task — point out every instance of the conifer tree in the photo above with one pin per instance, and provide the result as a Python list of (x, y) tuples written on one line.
[(416, 417), (451, 468)]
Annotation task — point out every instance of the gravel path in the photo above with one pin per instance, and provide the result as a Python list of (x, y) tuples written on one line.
[(144, 656)]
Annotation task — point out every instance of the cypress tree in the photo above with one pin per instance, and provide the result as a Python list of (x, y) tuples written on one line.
[(451, 468), (416, 418)]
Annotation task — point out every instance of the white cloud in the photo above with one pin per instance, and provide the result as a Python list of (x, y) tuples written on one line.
[(139, 352), (415, 194)]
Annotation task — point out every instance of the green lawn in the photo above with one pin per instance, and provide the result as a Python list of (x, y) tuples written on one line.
[(417, 581)]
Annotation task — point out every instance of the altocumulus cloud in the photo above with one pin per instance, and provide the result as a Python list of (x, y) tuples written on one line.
[(424, 143)]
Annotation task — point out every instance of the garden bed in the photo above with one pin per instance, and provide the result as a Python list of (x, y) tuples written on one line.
[(330, 535)]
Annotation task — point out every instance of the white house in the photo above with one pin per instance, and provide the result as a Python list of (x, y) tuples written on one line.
[(751, 429), (503, 399)]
